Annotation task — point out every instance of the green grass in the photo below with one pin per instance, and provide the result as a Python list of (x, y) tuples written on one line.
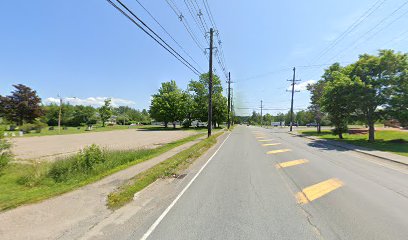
[(386, 140), (24, 183), (173, 165)]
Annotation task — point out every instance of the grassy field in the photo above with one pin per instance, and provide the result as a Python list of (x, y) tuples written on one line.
[(77, 130), (24, 183), (167, 168), (386, 140)]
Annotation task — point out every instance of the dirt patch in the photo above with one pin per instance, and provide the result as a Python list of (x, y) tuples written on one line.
[(48, 148)]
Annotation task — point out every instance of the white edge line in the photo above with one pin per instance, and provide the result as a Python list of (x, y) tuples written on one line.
[(158, 220)]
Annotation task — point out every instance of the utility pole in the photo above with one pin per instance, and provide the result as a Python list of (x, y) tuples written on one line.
[(293, 93), (232, 106), (261, 114), (59, 115), (210, 82), (229, 99)]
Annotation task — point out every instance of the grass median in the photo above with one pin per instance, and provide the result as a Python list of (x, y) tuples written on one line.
[(28, 183), (169, 167), (386, 140)]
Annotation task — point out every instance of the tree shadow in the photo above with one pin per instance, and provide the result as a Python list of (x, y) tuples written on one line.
[(395, 146)]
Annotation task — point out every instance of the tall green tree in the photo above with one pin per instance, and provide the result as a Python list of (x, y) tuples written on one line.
[(105, 112), (338, 100), (82, 115), (23, 105), (316, 91), (397, 92), (199, 90), (167, 105), (376, 74)]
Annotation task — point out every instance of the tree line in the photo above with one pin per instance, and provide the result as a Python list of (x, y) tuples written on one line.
[(171, 104), (301, 118), (24, 107), (373, 88)]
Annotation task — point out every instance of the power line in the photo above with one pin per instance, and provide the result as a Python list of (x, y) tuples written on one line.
[(184, 21), (174, 40), (221, 56), (372, 29), (163, 44), (380, 30), (353, 26)]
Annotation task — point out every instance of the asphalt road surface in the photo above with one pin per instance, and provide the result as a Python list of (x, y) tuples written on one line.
[(267, 184)]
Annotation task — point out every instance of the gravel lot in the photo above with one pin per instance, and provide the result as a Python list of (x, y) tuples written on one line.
[(48, 148)]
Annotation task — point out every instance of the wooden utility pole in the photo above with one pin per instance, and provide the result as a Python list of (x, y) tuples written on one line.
[(229, 99), (59, 115), (293, 93), (261, 114), (210, 83)]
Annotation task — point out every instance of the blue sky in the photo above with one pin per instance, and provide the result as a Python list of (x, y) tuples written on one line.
[(86, 50)]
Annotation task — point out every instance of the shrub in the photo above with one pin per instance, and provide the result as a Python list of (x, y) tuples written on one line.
[(27, 127), (83, 162), (38, 126), (186, 123), (60, 170), (90, 156), (4, 153)]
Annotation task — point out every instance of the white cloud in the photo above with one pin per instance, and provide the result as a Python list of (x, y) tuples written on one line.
[(301, 86), (91, 101)]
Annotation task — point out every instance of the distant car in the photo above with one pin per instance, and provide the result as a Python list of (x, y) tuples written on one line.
[(311, 125)]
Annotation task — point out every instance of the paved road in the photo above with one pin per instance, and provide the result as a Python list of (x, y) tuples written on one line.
[(267, 184)]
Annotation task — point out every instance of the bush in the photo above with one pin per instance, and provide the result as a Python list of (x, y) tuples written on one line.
[(91, 156), (60, 170), (186, 123), (27, 127), (38, 126), (84, 162), (4, 153)]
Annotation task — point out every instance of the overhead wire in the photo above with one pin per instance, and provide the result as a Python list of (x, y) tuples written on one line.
[(164, 29), (350, 29), (354, 44), (186, 25), (152, 34)]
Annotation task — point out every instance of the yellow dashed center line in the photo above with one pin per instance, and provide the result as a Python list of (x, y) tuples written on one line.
[(291, 163), (265, 140), (270, 144), (318, 190), (260, 137), (278, 151)]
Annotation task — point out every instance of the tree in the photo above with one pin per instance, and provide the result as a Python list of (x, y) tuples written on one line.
[(316, 91), (280, 117), (105, 112), (255, 118), (199, 91), (167, 105), (338, 100), (376, 74), (398, 100), (267, 119), (303, 117), (23, 105), (51, 114), (82, 115), (397, 94)]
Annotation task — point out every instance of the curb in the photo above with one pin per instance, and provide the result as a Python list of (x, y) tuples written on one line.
[(333, 143)]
